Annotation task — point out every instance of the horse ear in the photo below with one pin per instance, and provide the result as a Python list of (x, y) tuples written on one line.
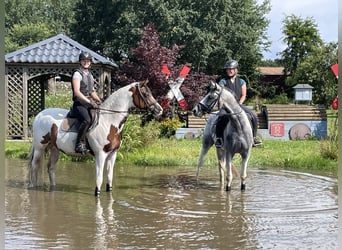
[(142, 83), (212, 85)]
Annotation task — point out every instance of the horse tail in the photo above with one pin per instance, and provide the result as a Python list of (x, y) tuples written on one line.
[(34, 165)]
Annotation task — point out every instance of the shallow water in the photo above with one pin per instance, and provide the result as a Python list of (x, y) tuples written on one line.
[(163, 208)]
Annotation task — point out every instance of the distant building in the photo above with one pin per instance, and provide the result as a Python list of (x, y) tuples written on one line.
[(272, 76)]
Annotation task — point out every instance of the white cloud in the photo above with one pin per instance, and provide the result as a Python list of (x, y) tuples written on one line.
[(324, 14)]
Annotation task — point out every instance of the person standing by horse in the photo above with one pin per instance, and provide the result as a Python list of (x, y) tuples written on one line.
[(84, 98), (239, 87)]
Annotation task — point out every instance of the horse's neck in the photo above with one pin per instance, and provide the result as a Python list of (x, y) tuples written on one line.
[(115, 109), (119, 101)]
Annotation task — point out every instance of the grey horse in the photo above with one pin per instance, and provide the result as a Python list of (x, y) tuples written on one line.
[(238, 135)]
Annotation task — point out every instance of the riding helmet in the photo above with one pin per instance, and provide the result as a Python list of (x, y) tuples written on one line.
[(231, 64), (84, 56)]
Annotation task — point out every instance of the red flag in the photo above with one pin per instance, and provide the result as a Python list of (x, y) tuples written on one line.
[(334, 68)]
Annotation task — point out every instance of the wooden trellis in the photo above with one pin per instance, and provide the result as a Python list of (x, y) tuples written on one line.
[(29, 69), (26, 93)]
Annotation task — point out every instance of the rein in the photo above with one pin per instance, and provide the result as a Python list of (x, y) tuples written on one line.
[(118, 111)]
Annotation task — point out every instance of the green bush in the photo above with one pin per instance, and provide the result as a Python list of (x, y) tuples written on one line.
[(169, 126), (136, 136)]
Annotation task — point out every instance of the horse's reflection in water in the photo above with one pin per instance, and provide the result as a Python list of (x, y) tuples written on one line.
[(106, 224)]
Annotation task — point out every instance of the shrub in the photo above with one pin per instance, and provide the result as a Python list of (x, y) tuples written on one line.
[(169, 126)]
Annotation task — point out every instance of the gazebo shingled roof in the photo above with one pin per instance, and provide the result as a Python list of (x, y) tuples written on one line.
[(58, 49)]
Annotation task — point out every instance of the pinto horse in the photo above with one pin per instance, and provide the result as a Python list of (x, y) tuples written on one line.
[(238, 135), (104, 138)]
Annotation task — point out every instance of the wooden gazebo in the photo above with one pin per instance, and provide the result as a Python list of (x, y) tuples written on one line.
[(28, 70)]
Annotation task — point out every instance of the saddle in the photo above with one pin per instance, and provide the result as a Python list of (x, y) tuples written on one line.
[(71, 123)]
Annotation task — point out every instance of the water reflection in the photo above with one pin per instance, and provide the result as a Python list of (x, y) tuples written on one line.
[(164, 208)]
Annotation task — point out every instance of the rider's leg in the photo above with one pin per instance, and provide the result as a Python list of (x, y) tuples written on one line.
[(84, 116), (221, 123), (80, 146), (254, 121)]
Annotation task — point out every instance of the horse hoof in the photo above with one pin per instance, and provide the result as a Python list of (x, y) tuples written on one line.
[(243, 187), (97, 192), (228, 188), (108, 188)]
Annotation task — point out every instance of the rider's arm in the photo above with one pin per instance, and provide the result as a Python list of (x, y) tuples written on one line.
[(243, 91), (243, 94)]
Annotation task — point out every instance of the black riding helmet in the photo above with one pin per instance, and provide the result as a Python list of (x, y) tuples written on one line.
[(84, 56), (231, 64)]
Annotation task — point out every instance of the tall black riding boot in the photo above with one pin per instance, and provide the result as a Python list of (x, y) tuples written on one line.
[(80, 146)]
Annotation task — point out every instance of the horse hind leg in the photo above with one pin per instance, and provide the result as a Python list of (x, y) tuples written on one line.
[(229, 176)]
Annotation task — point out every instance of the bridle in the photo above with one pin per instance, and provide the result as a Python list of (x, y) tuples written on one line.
[(142, 100), (208, 107)]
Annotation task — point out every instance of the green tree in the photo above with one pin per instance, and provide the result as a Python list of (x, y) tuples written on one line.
[(301, 37), (27, 22), (211, 31), (315, 70)]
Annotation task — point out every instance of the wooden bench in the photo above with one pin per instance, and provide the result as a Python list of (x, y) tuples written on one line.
[(275, 112), (197, 122), (289, 112)]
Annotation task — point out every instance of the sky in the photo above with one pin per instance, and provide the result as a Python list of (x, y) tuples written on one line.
[(323, 12)]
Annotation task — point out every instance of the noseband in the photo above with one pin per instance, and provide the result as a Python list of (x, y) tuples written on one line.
[(144, 98), (207, 108)]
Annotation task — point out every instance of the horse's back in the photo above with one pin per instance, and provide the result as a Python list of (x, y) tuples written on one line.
[(46, 119)]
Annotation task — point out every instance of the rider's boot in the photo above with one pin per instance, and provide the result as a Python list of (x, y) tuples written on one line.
[(80, 146)]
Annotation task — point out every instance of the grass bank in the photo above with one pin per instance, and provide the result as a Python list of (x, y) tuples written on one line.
[(301, 155)]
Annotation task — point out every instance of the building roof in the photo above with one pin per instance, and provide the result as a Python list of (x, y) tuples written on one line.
[(303, 86), (271, 70), (57, 49)]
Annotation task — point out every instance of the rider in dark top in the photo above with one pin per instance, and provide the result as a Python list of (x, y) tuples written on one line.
[(84, 98), (239, 88)]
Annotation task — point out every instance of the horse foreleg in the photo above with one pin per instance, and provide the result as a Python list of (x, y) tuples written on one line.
[(244, 163), (204, 151), (100, 159), (221, 164), (110, 171), (54, 154), (229, 176), (207, 142)]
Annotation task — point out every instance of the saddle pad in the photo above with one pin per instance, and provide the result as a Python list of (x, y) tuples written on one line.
[(70, 124)]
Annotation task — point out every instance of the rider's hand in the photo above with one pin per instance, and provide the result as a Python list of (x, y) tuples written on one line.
[(93, 104)]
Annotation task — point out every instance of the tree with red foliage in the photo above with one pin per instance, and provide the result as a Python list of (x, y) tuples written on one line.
[(146, 63)]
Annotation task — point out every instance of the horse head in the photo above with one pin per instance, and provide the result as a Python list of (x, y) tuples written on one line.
[(209, 101), (143, 99)]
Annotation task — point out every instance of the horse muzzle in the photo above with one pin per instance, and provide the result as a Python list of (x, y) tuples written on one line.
[(156, 109), (197, 110)]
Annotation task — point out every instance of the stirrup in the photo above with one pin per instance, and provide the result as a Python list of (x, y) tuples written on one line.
[(219, 142), (81, 149), (257, 142)]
